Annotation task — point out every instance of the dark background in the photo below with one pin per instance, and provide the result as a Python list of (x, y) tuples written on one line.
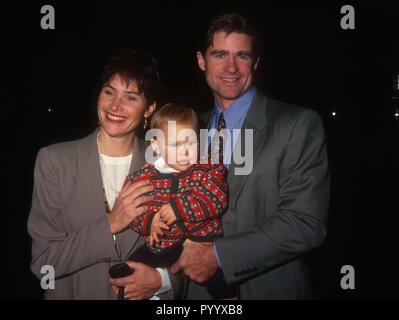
[(309, 60)]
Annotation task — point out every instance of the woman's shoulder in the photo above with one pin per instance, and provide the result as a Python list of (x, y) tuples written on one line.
[(68, 150)]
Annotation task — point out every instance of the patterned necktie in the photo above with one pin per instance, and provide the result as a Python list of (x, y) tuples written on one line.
[(218, 149)]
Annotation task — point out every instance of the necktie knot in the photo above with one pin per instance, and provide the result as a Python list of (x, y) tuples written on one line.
[(221, 122)]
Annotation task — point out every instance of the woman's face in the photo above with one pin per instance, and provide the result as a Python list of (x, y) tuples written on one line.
[(121, 108)]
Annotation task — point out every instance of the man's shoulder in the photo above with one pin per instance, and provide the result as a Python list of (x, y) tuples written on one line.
[(279, 110), (286, 108), (67, 146)]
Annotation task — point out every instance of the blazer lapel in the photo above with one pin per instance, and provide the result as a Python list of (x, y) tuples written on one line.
[(256, 121), (128, 239), (91, 188), (138, 158)]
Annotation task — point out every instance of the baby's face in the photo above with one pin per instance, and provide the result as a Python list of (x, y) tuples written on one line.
[(180, 150)]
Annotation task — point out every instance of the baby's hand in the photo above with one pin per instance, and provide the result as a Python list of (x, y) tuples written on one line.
[(156, 228), (167, 214)]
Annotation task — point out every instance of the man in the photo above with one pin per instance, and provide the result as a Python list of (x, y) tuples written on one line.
[(278, 212)]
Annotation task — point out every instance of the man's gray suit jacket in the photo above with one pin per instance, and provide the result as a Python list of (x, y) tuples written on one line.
[(278, 212)]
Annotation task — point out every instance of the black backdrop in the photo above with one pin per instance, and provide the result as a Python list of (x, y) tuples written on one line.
[(309, 60)]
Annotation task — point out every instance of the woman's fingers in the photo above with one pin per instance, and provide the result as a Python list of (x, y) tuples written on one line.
[(130, 204), (137, 189), (138, 211), (141, 200)]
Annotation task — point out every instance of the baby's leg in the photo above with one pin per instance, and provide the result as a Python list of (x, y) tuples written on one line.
[(144, 255)]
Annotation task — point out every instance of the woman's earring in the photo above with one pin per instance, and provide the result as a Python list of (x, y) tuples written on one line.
[(145, 123)]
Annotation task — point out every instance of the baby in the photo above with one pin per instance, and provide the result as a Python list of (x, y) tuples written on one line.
[(188, 198)]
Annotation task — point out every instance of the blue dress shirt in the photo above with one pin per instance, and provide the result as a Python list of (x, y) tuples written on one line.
[(234, 116)]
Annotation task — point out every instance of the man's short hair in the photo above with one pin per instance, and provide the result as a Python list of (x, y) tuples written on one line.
[(231, 23)]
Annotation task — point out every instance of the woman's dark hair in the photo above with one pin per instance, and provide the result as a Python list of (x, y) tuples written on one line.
[(135, 66)]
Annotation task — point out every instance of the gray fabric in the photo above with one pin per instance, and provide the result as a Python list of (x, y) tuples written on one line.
[(277, 213), (68, 223)]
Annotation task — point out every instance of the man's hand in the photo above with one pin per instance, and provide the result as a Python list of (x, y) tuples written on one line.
[(167, 214), (156, 228), (142, 284), (198, 261)]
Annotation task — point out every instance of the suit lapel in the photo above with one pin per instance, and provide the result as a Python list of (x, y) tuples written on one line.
[(138, 158), (127, 239), (91, 190), (206, 118), (92, 186), (256, 121)]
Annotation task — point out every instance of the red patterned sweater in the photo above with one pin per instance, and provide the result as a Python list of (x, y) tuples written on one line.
[(198, 197)]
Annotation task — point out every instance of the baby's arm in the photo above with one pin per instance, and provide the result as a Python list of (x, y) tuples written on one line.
[(203, 202)]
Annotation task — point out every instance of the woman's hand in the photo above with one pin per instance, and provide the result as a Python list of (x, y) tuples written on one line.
[(156, 228), (142, 284), (129, 205)]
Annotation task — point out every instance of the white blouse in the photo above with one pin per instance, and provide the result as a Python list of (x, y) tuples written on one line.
[(117, 168)]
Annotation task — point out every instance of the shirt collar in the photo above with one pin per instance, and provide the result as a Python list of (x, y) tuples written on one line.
[(159, 164), (237, 110)]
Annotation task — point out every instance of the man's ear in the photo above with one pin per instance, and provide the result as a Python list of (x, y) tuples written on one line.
[(256, 63), (201, 60), (150, 110)]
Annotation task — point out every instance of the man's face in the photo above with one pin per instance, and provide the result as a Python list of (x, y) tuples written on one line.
[(229, 66)]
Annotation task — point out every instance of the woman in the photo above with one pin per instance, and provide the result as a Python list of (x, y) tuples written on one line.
[(79, 221)]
